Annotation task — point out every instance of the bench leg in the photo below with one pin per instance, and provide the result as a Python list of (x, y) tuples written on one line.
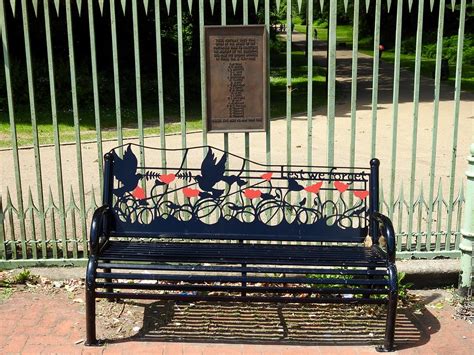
[(391, 312), (91, 337)]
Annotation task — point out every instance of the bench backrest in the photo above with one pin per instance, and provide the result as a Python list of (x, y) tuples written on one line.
[(224, 196)]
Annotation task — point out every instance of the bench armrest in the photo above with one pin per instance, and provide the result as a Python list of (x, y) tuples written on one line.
[(98, 228), (385, 227)]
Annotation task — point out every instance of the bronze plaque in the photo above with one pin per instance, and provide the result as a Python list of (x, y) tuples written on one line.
[(236, 78)]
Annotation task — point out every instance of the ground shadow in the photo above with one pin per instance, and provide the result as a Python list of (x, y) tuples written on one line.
[(269, 323)]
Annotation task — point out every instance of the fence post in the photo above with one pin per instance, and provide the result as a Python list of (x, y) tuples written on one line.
[(467, 230)]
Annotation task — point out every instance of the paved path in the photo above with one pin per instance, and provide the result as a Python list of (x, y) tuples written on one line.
[(37, 323)]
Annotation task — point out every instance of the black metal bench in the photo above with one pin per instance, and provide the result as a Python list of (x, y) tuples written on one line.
[(221, 227)]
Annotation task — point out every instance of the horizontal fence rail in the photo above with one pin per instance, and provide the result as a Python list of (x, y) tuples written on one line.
[(80, 77)]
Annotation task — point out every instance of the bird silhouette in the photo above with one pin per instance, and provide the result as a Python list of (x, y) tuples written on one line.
[(125, 171), (293, 185), (212, 172)]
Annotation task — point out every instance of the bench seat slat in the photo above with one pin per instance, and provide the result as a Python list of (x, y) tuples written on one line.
[(243, 253)]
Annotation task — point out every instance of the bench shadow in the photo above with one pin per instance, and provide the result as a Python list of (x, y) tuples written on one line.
[(285, 324)]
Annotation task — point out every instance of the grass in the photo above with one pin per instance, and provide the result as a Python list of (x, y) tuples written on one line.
[(427, 68), (278, 90), (343, 32)]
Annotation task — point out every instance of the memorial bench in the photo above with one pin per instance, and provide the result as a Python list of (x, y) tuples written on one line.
[(224, 228)]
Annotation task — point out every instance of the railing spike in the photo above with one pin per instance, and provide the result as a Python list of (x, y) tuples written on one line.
[(35, 6), (79, 6), (93, 200), (321, 5), (367, 5), (278, 5), (410, 4), (299, 6), (13, 5), (346, 4), (30, 203), (461, 192), (211, 4), (389, 4), (255, 4), (101, 7), (57, 3), (431, 5), (190, 5), (453, 5), (168, 5), (234, 5), (145, 4), (124, 5)]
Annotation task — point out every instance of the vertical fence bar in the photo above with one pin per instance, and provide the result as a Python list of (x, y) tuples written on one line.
[(118, 110), (355, 56), (34, 125), (268, 118), (434, 139), (11, 115), (182, 108), (77, 127), (457, 100), (375, 76), (10, 210), (95, 89), (224, 23), (159, 68), (3, 248), (138, 87), (416, 101), (396, 92), (54, 116), (309, 44), (331, 84), (202, 61), (289, 34), (245, 21)]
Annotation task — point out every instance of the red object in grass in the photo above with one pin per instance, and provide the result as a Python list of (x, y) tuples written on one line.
[(340, 186), (267, 176), (251, 194), (361, 194), (138, 193), (190, 192), (314, 188), (167, 178)]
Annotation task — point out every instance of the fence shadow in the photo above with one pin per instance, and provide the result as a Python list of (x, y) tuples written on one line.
[(285, 324)]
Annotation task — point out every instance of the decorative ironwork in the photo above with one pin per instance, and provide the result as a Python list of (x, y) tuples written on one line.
[(215, 199)]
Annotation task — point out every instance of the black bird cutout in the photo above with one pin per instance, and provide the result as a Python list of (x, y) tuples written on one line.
[(212, 172), (125, 171), (293, 185)]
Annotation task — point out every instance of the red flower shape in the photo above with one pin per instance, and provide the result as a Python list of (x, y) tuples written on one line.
[(138, 193), (167, 178), (251, 194), (361, 194), (314, 188), (189, 192), (340, 186), (267, 176)]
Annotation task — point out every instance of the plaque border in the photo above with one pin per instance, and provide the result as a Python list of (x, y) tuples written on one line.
[(215, 29)]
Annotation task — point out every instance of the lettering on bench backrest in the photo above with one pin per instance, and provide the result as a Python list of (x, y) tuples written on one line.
[(219, 196)]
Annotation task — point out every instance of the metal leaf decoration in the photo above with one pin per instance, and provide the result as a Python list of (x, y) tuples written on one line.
[(124, 4), (278, 5), (168, 4), (299, 6), (35, 6), (431, 5), (234, 5), (255, 4), (13, 5), (453, 5), (145, 4), (190, 5), (367, 5), (321, 5), (410, 4), (389, 4), (56, 5)]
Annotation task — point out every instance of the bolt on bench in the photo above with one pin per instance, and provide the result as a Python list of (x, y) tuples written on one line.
[(224, 228)]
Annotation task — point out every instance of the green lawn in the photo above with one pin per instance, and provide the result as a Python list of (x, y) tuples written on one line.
[(343, 32), (278, 90)]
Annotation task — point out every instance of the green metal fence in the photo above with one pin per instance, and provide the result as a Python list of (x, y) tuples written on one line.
[(49, 191)]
